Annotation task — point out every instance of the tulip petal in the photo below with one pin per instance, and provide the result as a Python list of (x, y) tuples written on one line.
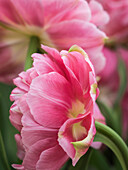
[(50, 92), (20, 147), (52, 159), (34, 152), (76, 135), (99, 16), (15, 116), (82, 33)]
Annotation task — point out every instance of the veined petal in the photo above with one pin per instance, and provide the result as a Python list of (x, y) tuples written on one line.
[(21, 12), (20, 147), (82, 33), (50, 92), (77, 63), (15, 116), (44, 64), (76, 135), (33, 154), (52, 159)]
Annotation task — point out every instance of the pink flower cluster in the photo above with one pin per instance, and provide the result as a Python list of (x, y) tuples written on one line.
[(117, 28), (54, 109), (117, 47), (56, 23)]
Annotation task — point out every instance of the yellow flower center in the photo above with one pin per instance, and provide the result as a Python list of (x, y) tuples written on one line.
[(77, 108), (78, 131)]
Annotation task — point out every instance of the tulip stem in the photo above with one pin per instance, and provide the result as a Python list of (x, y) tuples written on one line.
[(34, 45), (3, 155), (110, 138)]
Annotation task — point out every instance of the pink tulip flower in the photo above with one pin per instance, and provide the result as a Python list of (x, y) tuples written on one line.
[(117, 27), (57, 23), (54, 109), (117, 31), (109, 83)]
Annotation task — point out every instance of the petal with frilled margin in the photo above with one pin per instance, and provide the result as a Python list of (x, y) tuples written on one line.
[(76, 135)]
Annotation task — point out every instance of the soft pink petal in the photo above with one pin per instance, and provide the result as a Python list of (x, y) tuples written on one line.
[(76, 62), (18, 167), (31, 135), (111, 64), (8, 12), (65, 10), (99, 16), (33, 154), (82, 33), (50, 92), (20, 147), (16, 94), (44, 64), (21, 12), (52, 159), (97, 115), (15, 116), (85, 137)]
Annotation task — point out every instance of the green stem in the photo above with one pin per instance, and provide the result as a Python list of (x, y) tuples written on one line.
[(110, 138), (3, 155), (33, 47)]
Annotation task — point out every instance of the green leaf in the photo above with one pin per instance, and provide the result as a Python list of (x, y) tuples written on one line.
[(112, 116), (110, 138), (123, 81), (34, 46), (3, 156), (99, 161), (7, 130), (82, 164)]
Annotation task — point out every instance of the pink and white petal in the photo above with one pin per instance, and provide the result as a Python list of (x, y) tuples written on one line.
[(75, 84), (27, 118), (21, 84), (15, 116), (20, 147), (77, 63), (33, 154), (76, 135), (54, 56), (27, 77), (52, 159), (45, 64), (50, 92), (99, 16), (16, 94), (81, 147), (18, 167)]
